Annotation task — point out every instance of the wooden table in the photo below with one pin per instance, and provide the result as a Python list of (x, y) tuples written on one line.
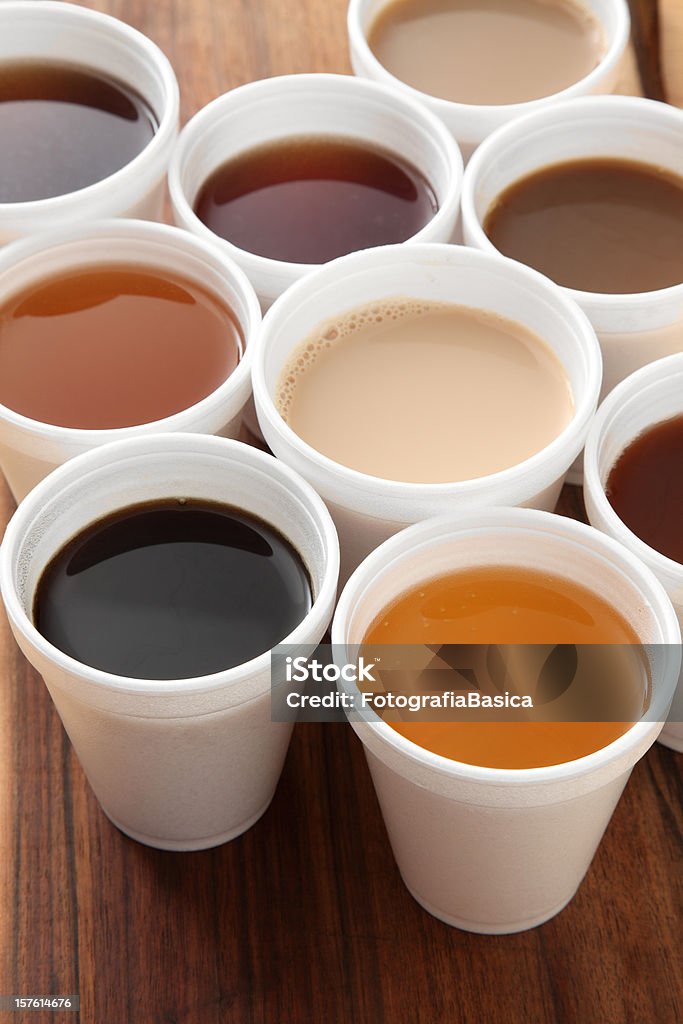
[(304, 919)]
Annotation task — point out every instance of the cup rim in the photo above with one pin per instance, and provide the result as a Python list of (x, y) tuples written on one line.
[(429, 252), (202, 123), (534, 520), (359, 43), (167, 119), (184, 446), (585, 108), (16, 252), (645, 381)]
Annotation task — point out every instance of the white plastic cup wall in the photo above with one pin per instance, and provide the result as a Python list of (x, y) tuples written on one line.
[(29, 449), (633, 329), (648, 397), (489, 849), (186, 764), (470, 124), (367, 509), (289, 106), (44, 30)]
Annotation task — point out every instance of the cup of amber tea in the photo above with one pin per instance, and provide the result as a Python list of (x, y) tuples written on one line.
[(115, 329), (147, 582), (494, 819), (88, 118)]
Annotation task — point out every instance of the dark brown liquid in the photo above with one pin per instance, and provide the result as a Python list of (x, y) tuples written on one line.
[(309, 200), (645, 488), (113, 347), (607, 226), (63, 128), (171, 590)]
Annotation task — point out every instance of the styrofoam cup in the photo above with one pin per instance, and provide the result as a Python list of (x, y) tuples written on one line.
[(649, 396), (29, 449), (490, 849), (190, 763), (633, 329), (367, 509), (44, 30), (471, 123), (289, 106)]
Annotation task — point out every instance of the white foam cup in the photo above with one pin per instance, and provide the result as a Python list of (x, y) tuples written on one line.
[(292, 106), (29, 449), (470, 124), (367, 509), (190, 763), (650, 396), (633, 329), (498, 850), (43, 30)]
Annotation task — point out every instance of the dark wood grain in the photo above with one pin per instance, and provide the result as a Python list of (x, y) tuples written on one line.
[(646, 41), (303, 919)]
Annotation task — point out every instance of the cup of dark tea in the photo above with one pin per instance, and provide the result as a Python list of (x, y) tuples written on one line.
[(88, 118), (291, 172), (147, 582)]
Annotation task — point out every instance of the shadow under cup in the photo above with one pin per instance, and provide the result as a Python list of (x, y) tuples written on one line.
[(496, 850), (181, 764)]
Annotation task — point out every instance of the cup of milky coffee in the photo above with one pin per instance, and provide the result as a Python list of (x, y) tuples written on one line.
[(591, 194), (147, 582), (633, 483), (116, 329), (479, 64), (494, 824), (88, 118), (291, 172), (407, 381)]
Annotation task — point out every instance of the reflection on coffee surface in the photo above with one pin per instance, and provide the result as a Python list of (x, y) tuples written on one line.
[(172, 589)]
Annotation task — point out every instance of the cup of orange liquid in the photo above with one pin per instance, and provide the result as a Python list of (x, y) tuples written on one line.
[(494, 824)]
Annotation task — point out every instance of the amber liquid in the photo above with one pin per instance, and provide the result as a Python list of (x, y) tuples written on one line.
[(64, 128), (309, 200), (645, 487), (493, 605), (608, 226), (113, 347)]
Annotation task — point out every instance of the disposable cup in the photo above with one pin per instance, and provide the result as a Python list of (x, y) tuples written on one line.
[(471, 123), (633, 329), (498, 850), (29, 449), (367, 509), (191, 763), (64, 32), (294, 105), (649, 396)]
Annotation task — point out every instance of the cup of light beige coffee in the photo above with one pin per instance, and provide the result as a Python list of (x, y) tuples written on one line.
[(367, 380), (499, 849), (481, 66), (632, 467)]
